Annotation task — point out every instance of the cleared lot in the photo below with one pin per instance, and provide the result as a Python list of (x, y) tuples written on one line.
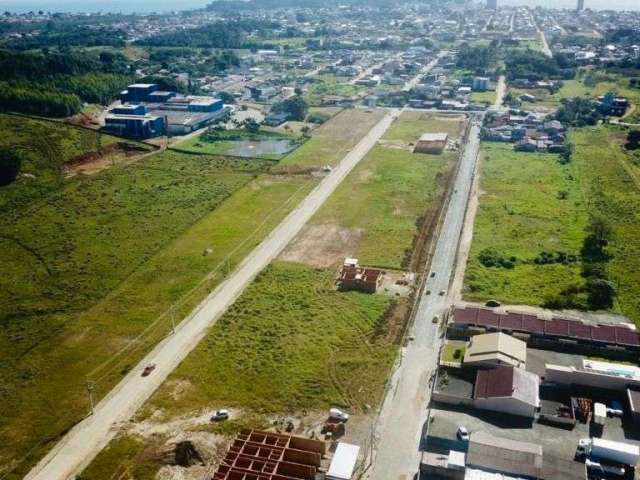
[(291, 345)]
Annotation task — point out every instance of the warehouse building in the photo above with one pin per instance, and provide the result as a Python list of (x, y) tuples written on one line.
[(135, 126), (148, 112)]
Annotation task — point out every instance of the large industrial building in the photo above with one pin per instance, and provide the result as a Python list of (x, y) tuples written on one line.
[(148, 112)]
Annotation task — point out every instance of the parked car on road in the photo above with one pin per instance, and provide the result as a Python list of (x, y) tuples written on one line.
[(220, 415), (148, 369)]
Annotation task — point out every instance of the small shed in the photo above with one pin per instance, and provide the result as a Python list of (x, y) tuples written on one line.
[(433, 143), (343, 462)]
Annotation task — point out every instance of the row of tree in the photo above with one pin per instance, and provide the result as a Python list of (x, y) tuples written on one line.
[(38, 101), (216, 35)]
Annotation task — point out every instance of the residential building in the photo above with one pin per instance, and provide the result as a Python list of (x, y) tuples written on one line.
[(495, 349), (507, 390)]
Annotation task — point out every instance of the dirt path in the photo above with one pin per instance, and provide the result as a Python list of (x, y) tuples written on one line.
[(501, 91), (82, 443), (466, 236)]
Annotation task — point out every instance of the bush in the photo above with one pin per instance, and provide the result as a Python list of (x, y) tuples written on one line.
[(10, 164), (489, 257), (317, 118)]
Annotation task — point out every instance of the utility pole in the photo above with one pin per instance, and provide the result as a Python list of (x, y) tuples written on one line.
[(90, 388), (173, 319)]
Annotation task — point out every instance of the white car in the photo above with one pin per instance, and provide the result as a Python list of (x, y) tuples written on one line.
[(463, 434), (338, 414)]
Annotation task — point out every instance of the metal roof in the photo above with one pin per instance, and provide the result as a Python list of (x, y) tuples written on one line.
[(343, 462), (556, 327)]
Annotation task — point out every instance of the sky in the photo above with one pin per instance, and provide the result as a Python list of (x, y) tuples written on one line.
[(128, 6)]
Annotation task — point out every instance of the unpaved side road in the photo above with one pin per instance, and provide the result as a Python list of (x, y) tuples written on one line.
[(81, 444)]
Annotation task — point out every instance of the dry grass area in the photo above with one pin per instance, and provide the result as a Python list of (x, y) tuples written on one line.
[(323, 246), (334, 139)]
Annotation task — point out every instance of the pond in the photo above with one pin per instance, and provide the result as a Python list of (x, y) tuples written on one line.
[(261, 148)]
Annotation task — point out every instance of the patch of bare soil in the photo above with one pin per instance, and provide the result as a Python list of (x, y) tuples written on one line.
[(323, 246), (105, 157)]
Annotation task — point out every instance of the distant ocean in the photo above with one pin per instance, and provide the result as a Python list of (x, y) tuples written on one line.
[(145, 6), (124, 6)]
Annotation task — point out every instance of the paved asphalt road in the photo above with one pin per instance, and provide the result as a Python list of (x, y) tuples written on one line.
[(404, 411), (81, 444), (426, 69)]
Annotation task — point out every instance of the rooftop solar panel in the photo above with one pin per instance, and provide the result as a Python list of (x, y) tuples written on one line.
[(533, 324), (604, 333)]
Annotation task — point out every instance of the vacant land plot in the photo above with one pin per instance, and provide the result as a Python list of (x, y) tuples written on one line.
[(46, 147), (131, 248), (484, 97), (376, 212), (331, 142), (95, 265), (329, 85), (610, 181), (591, 84), (529, 204), (290, 344)]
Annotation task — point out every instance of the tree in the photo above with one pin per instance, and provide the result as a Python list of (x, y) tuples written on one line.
[(250, 125), (601, 293), (295, 107), (10, 164), (594, 245), (633, 140), (226, 98)]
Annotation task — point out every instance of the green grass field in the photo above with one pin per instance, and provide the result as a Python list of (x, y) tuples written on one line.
[(105, 258), (391, 190), (332, 141), (293, 343), (329, 85), (610, 181), (484, 97), (290, 342), (523, 213), (46, 146)]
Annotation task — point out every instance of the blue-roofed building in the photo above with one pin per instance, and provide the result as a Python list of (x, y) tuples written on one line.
[(134, 109), (135, 126), (138, 92)]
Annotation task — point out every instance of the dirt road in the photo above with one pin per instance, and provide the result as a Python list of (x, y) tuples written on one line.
[(81, 444), (501, 91)]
